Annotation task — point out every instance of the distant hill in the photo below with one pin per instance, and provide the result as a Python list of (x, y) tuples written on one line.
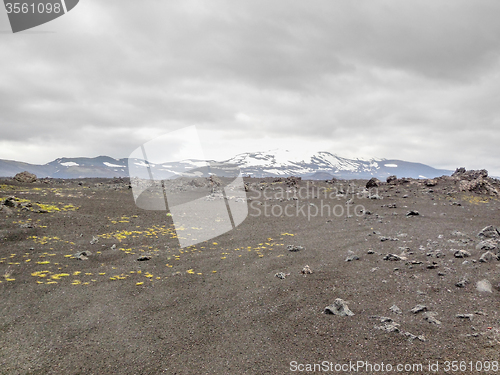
[(320, 166)]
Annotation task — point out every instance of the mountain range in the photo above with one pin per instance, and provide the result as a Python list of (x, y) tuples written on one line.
[(319, 166)]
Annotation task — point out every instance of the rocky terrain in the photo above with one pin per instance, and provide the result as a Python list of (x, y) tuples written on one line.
[(399, 271)]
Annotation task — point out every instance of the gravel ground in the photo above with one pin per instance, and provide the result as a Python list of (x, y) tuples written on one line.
[(240, 303)]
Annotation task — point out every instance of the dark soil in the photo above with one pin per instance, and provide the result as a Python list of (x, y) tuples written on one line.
[(217, 307)]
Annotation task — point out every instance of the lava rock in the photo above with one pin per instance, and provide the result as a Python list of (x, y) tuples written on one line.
[(82, 255), (419, 308), (395, 309), (461, 254), (352, 257), (430, 316), (392, 180), (464, 316), (306, 270), (487, 257), (392, 257), (373, 182), (489, 232), (25, 177), (462, 283), (489, 244), (339, 307)]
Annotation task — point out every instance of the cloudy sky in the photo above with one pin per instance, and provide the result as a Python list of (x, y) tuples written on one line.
[(413, 80)]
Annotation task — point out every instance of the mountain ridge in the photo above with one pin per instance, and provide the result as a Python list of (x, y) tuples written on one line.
[(276, 163)]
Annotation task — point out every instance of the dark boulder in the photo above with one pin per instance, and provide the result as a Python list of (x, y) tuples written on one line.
[(373, 182), (25, 177), (392, 180)]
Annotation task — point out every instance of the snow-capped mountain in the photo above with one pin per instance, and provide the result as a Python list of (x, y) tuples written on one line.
[(319, 165)]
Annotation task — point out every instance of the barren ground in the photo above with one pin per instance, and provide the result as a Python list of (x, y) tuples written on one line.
[(217, 307)]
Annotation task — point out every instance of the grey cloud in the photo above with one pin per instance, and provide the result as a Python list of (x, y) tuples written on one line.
[(415, 80)]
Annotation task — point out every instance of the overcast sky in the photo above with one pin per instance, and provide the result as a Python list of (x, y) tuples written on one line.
[(411, 80)]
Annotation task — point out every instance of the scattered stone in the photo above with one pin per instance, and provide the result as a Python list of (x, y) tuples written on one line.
[(484, 286), (293, 181), (435, 253), (373, 182), (393, 257), (369, 252), (25, 177), (412, 337), (419, 308), (461, 254), (430, 316), (388, 326), (294, 248), (143, 258), (462, 283), (489, 232), (339, 307), (412, 213), (215, 181), (487, 257), (392, 180), (384, 238), (432, 266), (487, 245), (281, 275), (82, 255), (10, 202), (113, 247), (27, 226), (395, 309), (94, 240), (306, 270), (465, 316), (430, 182), (352, 257)]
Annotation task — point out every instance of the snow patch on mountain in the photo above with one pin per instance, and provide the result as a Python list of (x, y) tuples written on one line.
[(112, 165)]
